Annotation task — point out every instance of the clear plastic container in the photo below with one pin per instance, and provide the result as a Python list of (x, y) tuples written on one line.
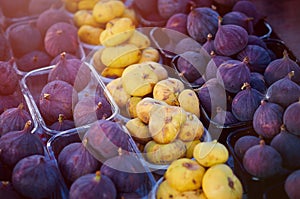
[(34, 81)]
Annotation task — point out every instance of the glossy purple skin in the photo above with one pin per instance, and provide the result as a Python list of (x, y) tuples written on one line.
[(8, 191), (202, 21), (240, 19), (283, 92), (259, 58), (29, 177), (243, 144), (291, 118), (288, 145), (248, 8), (9, 78), (267, 119), (88, 186), (33, 60), (230, 39), (233, 74), (209, 45), (178, 23), (213, 65), (166, 8), (225, 117), (75, 161), (62, 126), (257, 82), (245, 103), (291, 185), (255, 40)]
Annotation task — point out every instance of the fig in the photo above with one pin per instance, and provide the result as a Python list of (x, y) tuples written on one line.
[(33, 60), (14, 119), (8, 101), (255, 40), (230, 39), (233, 74), (213, 65), (72, 71), (267, 119), (262, 161), (37, 7), (202, 21), (62, 124), (57, 97), (246, 102), (288, 145), (5, 47), (248, 8), (192, 65), (16, 145), (240, 19), (187, 44), (291, 119), (29, 176), (243, 144), (224, 118), (257, 81), (126, 172), (96, 185), (61, 37), (8, 191), (166, 8), (56, 59), (104, 137), (291, 185), (50, 17), (278, 68), (284, 91), (25, 38), (9, 77), (75, 161), (91, 109), (145, 7), (259, 57), (14, 9), (178, 23)]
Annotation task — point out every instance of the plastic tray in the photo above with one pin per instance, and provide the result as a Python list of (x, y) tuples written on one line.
[(33, 82), (57, 142)]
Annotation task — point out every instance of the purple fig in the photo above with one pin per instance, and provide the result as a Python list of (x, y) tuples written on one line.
[(224, 118), (243, 144), (9, 77), (33, 60), (240, 19), (257, 81), (209, 45), (291, 118), (62, 124), (213, 65), (178, 23), (248, 8), (291, 185), (56, 59)]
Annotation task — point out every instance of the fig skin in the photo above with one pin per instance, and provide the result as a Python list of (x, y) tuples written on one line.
[(178, 22), (16, 145), (33, 60), (91, 109), (56, 59), (213, 65), (209, 45), (291, 118), (240, 19), (75, 161), (14, 119), (62, 124), (37, 7), (57, 97), (257, 82), (4, 47), (98, 186), (36, 177), (9, 77), (7, 191), (291, 185), (14, 9), (248, 8), (224, 117), (243, 144), (7, 102), (255, 40), (267, 119), (166, 8)]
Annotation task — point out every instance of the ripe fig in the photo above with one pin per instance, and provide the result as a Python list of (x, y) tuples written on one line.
[(33, 60), (166, 8), (224, 118), (233, 74), (14, 9), (98, 186), (56, 59), (255, 40), (75, 161), (145, 7), (248, 8), (16, 145), (213, 65), (91, 109), (262, 161), (37, 7), (257, 81), (267, 119), (291, 119), (178, 23), (5, 47), (8, 191), (187, 44), (14, 119), (243, 144), (36, 177), (209, 45), (62, 124), (240, 19), (246, 102), (9, 77), (284, 91), (278, 68), (57, 97), (291, 185), (72, 71), (8, 101)]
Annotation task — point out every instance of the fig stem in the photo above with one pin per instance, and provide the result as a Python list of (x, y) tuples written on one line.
[(245, 85), (285, 54), (262, 142), (209, 36), (5, 183), (219, 109), (84, 142), (220, 19), (59, 32), (99, 105), (63, 55), (35, 58), (291, 74), (27, 124), (21, 106), (98, 176), (246, 60), (61, 118), (120, 151), (46, 96)]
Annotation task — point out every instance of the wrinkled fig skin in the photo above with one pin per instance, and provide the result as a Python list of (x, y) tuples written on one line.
[(57, 97), (291, 185), (243, 144), (240, 19), (62, 124), (225, 117), (245, 103), (230, 39), (288, 145), (93, 186), (233, 74), (259, 57), (267, 119), (178, 22), (278, 68), (14, 119), (35, 177), (91, 109), (283, 92), (33, 60), (248, 8), (16, 145), (9, 78), (104, 138), (213, 65), (75, 161), (166, 8), (7, 191), (201, 22), (257, 82), (291, 118), (262, 161)]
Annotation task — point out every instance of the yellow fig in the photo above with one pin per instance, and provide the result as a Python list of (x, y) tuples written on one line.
[(87, 4), (150, 54), (189, 101), (138, 130), (131, 106), (118, 93), (139, 39), (165, 191), (85, 17), (89, 34), (104, 11), (190, 148), (112, 72), (192, 129), (158, 68)]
